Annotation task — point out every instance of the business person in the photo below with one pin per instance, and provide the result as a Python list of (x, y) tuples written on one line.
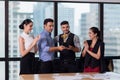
[(93, 51), (47, 48), (72, 45), (28, 47)]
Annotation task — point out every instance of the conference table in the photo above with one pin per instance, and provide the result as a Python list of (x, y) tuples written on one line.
[(71, 76)]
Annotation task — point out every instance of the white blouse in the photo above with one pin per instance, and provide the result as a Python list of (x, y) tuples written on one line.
[(28, 38)]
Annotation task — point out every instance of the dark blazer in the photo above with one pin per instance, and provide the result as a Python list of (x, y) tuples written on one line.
[(92, 62)]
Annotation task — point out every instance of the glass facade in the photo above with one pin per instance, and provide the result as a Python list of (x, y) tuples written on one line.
[(116, 65), (2, 70), (2, 29), (14, 70), (2, 39), (112, 29), (112, 32)]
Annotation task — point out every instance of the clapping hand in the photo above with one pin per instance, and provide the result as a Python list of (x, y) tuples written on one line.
[(36, 39), (86, 45)]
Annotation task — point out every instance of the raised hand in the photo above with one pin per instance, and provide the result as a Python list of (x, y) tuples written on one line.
[(86, 45), (36, 39)]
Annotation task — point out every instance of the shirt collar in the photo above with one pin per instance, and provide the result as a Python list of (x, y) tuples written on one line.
[(26, 34), (46, 32)]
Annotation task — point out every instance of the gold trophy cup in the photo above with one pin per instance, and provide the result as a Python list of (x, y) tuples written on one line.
[(64, 36)]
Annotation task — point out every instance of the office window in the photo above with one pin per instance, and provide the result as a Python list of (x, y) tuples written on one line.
[(116, 63), (14, 70), (36, 11), (2, 70), (112, 32), (2, 29), (112, 29), (81, 17)]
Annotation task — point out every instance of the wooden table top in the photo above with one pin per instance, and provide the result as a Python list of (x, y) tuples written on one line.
[(59, 76)]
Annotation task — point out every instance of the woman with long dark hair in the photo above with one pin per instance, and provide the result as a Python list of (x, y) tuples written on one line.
[(93, 51)]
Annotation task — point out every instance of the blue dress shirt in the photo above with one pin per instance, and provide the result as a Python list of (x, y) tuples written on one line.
[(44, 44)]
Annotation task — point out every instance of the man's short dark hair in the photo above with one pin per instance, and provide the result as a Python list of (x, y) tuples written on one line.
[(48, 20), (64, 22)]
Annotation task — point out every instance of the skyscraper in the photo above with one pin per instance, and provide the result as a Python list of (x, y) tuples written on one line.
[(39, 14), (45, 10), (65, 13)]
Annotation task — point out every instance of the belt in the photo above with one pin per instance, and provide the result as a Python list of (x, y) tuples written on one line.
[(45, 61)]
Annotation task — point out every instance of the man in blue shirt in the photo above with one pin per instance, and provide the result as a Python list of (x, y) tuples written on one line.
[(46, 47)]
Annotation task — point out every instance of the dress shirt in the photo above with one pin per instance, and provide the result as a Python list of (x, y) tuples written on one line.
[(44, 44)]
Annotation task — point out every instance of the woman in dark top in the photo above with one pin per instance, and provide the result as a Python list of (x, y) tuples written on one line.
[(28, 48), (93, 51)]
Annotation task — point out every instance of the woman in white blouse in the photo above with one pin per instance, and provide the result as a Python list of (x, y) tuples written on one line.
[(28, 47)]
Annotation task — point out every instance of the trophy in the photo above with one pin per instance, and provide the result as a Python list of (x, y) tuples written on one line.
[(65, 36)]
